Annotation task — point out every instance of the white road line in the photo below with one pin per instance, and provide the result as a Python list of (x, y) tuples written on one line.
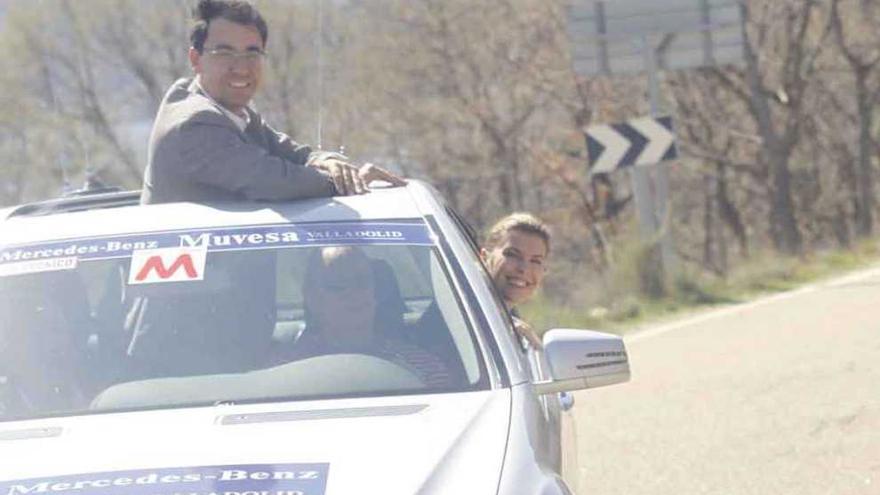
[(652, 332)]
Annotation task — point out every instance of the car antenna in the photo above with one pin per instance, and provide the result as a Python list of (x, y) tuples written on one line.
[(319, 48), (59, 157)]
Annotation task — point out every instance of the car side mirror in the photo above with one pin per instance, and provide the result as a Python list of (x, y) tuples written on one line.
[(581, 359)]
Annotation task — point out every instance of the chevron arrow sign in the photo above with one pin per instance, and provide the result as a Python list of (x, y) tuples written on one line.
[(642, 141)]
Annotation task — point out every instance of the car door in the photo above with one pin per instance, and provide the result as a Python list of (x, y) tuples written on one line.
[(551, 406)]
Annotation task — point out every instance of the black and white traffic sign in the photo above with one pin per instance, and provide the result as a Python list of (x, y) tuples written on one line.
[(642, 141)]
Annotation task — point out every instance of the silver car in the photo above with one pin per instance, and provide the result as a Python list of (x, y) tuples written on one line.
[(350, 345)]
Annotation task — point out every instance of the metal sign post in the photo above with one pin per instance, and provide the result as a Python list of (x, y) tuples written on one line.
[(667, 248), (648, 36)]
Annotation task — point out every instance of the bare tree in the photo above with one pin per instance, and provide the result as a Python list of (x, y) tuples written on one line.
[(463, 91), (782, 43), (93, 72), (855, 26)]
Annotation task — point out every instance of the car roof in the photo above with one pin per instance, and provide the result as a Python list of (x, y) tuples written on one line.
[(119, 213)]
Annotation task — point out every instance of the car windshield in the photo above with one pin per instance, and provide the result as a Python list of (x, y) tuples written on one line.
[(248, 314)]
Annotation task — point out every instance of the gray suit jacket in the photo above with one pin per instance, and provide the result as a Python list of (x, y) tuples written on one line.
[(197, 153)]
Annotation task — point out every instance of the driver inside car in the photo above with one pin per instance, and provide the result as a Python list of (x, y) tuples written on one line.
[(341, 313)]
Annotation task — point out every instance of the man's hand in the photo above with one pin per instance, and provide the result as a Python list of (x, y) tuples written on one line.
[(525, 330), (369, 172), (350, 179)]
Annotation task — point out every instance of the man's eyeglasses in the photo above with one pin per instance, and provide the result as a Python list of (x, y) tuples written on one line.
[(229, 55)]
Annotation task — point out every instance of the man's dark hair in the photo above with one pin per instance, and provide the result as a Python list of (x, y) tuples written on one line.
[(237, 11)]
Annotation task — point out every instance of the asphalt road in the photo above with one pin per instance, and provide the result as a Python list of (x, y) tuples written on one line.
[(780, 396)]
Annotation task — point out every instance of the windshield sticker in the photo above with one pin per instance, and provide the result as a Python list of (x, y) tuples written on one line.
[(37, 266), (150, 266), (224, 239), (262, 479)]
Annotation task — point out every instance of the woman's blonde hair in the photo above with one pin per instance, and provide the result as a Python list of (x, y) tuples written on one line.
[(521, 221)]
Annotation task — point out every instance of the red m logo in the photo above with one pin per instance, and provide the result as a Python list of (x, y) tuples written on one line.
[(150, 266), (155, 263)]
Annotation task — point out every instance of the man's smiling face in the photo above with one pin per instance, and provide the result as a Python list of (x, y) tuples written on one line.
[(231, 81)]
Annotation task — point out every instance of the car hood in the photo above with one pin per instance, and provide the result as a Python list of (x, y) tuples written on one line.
[(450, 443)]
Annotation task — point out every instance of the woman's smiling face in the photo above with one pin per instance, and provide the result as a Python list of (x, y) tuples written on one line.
[(517, 265)]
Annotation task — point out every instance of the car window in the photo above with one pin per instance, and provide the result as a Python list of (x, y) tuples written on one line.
[(466, 229), (188, 319), (471, 237)]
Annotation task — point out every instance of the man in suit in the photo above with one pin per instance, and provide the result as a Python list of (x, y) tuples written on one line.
[(208, 144)]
